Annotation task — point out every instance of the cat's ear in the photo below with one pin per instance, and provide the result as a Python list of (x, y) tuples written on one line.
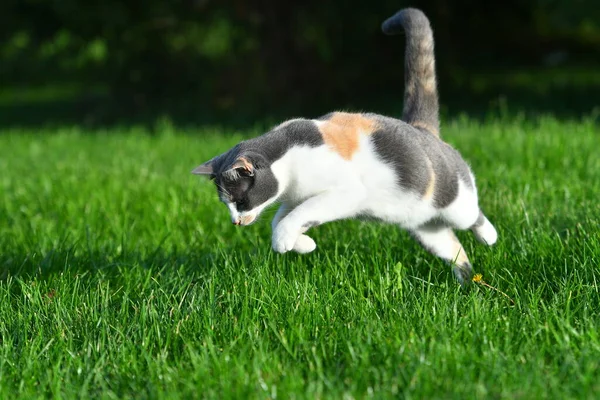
[(243, 166), (204, 169)]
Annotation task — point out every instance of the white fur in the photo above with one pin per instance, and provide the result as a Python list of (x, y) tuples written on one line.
[(235, 216), (304, 244), (441, 241), (247, 217), (486, 233), (317, 184), (464, 210)]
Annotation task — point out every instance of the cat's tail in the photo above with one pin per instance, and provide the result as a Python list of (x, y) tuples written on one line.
[(421, 108)]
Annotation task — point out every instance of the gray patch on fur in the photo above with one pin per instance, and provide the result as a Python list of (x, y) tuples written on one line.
[(480, 220), (274, 144), (408, 150), (249, 192), (420, 92)]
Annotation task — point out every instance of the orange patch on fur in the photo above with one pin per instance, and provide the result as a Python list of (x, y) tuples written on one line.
[(460, 257), (247, 219), (431, 185), (343, 130), (242, 162)]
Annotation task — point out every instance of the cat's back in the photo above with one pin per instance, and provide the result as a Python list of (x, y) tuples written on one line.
[(380, 149), (421, 162), (393, 139), (343, 133)]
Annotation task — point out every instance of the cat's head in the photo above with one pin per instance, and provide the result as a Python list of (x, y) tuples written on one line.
[(244, 182)]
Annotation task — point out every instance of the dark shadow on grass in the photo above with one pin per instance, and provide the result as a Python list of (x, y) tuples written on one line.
[(419, 265), (59, 261)]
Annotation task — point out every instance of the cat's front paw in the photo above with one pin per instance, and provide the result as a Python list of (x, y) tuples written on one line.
[(284, 239), (304, 244)]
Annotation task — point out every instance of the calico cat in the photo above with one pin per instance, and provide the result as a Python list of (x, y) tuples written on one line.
[(352, 165)]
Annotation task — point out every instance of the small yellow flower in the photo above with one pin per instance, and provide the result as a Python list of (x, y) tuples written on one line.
[(478, 278)]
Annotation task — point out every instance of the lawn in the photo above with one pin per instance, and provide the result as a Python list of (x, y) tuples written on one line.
[(121, 276)]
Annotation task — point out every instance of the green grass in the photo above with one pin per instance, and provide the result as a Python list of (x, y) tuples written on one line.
[(122, 277)]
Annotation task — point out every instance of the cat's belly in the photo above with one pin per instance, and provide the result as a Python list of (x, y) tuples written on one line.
[(403, 208), (386, 200)]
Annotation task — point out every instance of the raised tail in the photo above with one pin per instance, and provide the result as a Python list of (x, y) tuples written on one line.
[(421, 107)]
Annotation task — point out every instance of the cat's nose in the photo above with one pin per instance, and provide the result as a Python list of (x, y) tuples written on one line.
[(235, 221)]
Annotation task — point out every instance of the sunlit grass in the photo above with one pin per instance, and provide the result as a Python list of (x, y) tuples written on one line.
[(121, 276)]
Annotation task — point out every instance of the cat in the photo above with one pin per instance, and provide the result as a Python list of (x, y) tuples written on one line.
[(361, 165)]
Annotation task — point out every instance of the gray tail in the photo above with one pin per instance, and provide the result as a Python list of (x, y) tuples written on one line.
[(421, 107)]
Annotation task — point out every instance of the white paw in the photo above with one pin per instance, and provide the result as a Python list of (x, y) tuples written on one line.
[(284, 239), (304, 244), (486, 233)]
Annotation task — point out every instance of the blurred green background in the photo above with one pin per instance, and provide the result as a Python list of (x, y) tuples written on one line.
[(205, 61)]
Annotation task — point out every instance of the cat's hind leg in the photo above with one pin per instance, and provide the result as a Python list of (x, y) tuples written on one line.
[(484, 231), (304, 243), (441, 241), (464, 213)]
